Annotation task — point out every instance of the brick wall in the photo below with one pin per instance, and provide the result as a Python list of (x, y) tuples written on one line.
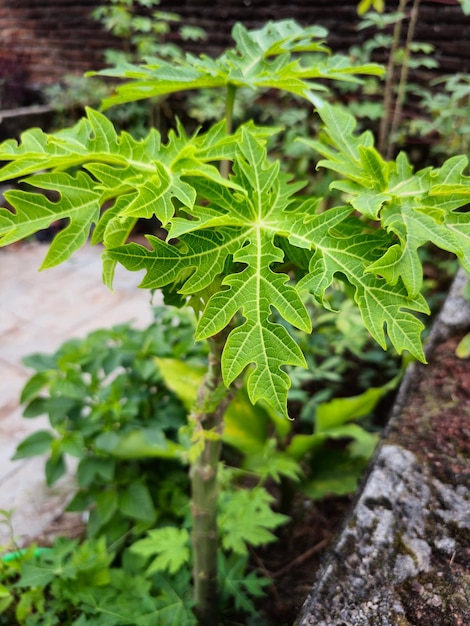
[(43, 39)]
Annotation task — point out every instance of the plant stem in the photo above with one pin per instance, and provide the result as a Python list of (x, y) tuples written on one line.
[(208, 417), (401, 94), (229, 105), (389, 83)]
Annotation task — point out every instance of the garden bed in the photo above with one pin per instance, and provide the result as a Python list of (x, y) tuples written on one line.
[(403, 556)]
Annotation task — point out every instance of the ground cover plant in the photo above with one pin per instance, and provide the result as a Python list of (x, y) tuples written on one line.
[(241, 245), (116, 402)]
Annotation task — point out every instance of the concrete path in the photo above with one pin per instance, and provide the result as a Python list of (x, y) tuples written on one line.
[(38, 312)]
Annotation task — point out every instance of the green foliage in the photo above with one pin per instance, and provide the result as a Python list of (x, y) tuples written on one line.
[(80, 377), (444, 120), (247, 518), (262, 59), (77, 584), (465, 4), (109, 407), (366, 5), (241, 242), (108, 392), (340, 354), (384, 103), (242, 226), (410, 205), (147, 178), (238, 585), (143, 29), (170, 545), (463, 348)]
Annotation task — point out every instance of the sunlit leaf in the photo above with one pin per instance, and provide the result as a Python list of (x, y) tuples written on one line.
[(261, 59)]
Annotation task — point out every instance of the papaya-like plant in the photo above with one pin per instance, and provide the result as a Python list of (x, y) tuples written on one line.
[(238, 242)]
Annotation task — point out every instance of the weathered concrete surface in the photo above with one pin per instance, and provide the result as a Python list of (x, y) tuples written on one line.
[(403, 556)]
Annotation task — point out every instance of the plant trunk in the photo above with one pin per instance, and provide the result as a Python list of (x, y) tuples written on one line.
[(204, 511), (208, 417)]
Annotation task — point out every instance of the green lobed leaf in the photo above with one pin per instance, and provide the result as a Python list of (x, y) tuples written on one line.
[(383, 307), (238, 584), (194, 263), (415, 208), (261, 59), (237, 230), (268, 462), (143, 178), (257, 341), (169, 547), (246, 518), (78, 203), (224, 239)]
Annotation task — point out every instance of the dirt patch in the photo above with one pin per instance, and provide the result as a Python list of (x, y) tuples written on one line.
[(293, 561)]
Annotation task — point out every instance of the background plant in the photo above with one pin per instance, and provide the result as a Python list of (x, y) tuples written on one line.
[(108, 405), (391, 39), (407, 107), (240, 244), (141, 31), (444, 121)]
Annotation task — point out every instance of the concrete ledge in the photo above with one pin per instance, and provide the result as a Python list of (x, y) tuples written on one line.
[(403, 556), (15, 121)]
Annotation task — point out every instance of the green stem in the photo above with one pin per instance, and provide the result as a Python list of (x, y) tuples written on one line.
[(401, 95), (390, 81), (208, 418), (229, 106)]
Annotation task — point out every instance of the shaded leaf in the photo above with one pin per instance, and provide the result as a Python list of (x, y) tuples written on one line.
[(136, 502), (246, 518), (38, 442)]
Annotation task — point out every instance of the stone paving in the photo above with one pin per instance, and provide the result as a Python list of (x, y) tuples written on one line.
[(38, 312)]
